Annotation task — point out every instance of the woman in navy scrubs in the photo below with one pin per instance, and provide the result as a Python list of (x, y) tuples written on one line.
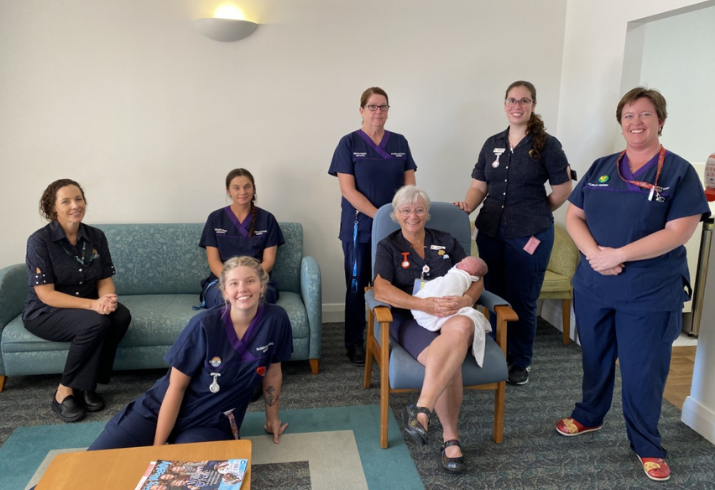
[(630, 216), (72, 298), (371, 164), (402, 257), (516, 224), (222, 355), (241, 229)]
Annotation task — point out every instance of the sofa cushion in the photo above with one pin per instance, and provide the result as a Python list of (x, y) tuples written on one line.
[(163, 258)]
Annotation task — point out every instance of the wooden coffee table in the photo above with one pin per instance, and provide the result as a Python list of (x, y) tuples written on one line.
[(121, 469)]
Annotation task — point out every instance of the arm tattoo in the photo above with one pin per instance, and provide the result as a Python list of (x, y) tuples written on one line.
[(269, 397)]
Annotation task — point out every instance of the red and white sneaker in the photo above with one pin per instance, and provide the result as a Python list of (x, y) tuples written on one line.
[(569, 427), (655, 468)]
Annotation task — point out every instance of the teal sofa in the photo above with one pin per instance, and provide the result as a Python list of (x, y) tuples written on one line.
[(159, 270)]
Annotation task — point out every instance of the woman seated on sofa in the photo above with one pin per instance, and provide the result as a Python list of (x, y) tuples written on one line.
[(71, 298), (240, 229), (222, 355), (401, 258)]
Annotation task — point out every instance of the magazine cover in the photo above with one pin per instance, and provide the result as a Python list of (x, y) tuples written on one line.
[(194, 475)]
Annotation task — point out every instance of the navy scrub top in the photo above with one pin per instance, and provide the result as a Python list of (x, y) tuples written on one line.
[(619, 213), (442, 252), (379, 171), (517, 200), (52, 259), (208, 345), (224, 232)]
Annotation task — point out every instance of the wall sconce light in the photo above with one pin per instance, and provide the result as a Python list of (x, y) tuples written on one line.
[(228, 24)]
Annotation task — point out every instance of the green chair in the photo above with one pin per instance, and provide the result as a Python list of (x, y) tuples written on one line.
[(561, 269)]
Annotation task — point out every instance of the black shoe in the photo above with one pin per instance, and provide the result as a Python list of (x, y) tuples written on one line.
[(90, 400), (518, 375), (453, 465), (68, 410), (356, 353), (413, 426)]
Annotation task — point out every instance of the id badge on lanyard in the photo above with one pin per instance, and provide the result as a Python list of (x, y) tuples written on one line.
[(421, 281)]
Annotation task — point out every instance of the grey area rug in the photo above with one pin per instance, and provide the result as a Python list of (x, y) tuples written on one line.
[(532, 456)]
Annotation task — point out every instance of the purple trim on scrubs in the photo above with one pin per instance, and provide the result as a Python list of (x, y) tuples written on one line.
[(627, 174), (379, 149), (240, 344), (234, 219)]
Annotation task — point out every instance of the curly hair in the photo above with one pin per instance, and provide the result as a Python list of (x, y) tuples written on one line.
[(535, 125), (49, 198), (242, 172)]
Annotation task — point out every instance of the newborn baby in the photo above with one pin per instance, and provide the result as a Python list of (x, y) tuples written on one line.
[(455, 283)]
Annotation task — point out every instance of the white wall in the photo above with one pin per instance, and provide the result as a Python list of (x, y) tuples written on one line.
[(149, 115)]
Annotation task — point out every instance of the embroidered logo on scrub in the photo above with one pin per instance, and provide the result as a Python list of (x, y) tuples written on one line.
[(261, 370), (215, 362), (603, 178)]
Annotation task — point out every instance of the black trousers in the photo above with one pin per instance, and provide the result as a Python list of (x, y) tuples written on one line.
[(93, 342)]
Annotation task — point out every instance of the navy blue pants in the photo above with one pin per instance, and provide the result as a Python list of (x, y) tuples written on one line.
[(93, 342), (130, 429), (642, 343), (517, 276), (355, 301)]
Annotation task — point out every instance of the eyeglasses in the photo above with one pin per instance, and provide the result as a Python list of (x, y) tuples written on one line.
[(511, 101), (374, 107), (405, 212)]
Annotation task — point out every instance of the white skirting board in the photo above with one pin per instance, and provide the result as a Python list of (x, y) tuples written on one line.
[(550, 310), (333, 312), (699, 418)]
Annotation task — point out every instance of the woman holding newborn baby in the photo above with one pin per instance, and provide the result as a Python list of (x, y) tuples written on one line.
[(402, 258)]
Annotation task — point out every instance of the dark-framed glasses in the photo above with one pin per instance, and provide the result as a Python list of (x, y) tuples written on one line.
[(374, 107), (511, 101)]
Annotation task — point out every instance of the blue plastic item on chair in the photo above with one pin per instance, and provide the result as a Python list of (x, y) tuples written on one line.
[(399, 371)]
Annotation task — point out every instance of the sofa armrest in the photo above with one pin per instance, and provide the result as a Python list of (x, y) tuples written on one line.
[(13, 291), (311, 291)]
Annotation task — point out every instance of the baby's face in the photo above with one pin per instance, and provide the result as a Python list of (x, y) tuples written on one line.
[(473, 266)]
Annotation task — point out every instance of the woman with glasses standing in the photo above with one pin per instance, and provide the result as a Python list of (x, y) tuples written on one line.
[(516, 224), (371, 165)]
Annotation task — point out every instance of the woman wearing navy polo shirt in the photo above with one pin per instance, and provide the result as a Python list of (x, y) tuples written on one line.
[(371, 165), (240, 229), (222, 355), (630, 216), (516, 224), (71, 298)]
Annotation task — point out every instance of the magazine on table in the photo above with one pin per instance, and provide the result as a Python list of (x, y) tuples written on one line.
[(226, 474)]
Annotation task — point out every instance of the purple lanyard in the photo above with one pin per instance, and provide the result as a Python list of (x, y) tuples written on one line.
[(240, 344), (379, 149), (242, 228)]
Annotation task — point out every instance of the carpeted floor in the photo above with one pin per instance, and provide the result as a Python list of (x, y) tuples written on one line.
[(533, 455)]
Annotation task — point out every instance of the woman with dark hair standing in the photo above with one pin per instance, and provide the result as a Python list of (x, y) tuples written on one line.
[(371, 164), (240, 229), (72, 298), (516, 224)]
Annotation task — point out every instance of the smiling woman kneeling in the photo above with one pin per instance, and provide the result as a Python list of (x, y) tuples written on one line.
[(222, 355)]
